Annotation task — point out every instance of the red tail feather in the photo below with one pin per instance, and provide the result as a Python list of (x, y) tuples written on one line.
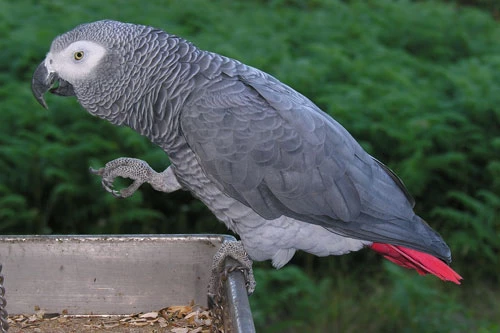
[(423, 263)]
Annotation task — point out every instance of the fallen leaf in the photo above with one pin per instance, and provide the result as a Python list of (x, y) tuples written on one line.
[(180, 330), (149, 315), (140, 324)]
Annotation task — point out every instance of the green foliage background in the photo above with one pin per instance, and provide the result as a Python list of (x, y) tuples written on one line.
[(416, 82)]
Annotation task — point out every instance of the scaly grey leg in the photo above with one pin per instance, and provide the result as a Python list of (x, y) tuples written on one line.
[(140, 172), (236, 251)]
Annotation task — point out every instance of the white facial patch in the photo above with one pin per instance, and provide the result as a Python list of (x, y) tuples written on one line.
[(75, 62)]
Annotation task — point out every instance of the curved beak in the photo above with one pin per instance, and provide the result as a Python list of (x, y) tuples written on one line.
[(43, 81)]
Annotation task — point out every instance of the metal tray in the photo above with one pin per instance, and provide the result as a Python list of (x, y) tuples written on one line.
[(113, 275)]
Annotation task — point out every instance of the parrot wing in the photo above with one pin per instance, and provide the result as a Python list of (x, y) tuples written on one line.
[(275, 151)]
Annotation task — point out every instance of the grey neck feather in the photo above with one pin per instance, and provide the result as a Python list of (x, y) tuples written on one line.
[(158, 79)]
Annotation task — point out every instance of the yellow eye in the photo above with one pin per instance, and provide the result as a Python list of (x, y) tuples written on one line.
[(78, 55)]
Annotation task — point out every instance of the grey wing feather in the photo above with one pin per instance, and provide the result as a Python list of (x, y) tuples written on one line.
[(398, 182), (272, 149)]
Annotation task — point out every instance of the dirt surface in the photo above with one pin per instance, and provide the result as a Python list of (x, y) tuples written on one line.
[(175, 319)]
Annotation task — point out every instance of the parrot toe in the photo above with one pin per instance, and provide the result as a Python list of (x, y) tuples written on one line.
[(220, 269), (137, 170)]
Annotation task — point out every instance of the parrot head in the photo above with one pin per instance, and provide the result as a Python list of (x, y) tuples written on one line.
[(63, 69), (94, 62)]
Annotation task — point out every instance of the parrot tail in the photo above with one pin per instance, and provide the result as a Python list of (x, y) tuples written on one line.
[(423, 263)]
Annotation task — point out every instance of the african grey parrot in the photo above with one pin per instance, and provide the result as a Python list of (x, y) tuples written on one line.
[(270, 164)]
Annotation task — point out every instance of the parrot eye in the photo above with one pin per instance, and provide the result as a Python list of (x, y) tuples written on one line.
[(78, 55)]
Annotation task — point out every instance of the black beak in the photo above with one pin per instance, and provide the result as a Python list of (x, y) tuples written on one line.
[(43, 81)]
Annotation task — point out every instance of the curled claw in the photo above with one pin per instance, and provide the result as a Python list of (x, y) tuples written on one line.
[(109, 187), (107, 182), (137, 170), (117, 194)]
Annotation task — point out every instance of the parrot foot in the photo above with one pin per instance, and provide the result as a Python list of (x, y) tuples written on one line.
[(137, 170), (236, 251)]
